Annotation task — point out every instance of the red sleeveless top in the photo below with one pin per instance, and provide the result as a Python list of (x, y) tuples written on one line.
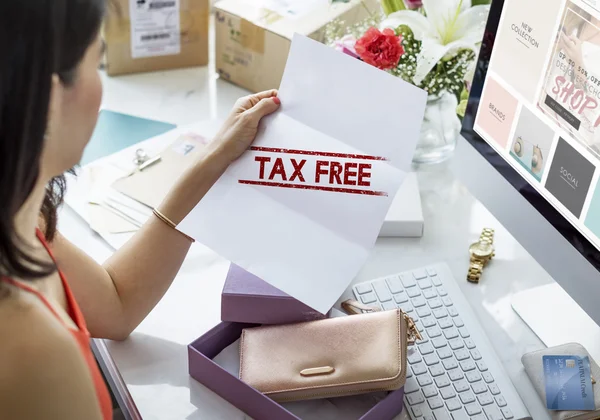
[(80, 335)]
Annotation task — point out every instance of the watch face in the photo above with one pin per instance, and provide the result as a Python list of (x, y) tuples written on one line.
[(482, 249)]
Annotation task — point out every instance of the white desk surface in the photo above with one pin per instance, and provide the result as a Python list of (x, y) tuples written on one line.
[(153, 361)]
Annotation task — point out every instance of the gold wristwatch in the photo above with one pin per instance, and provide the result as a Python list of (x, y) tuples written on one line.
[(481, 253)]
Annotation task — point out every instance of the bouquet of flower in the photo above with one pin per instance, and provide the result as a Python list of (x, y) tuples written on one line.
[(432, 44)]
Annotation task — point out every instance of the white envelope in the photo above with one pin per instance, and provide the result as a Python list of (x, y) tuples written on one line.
[(352, 130)]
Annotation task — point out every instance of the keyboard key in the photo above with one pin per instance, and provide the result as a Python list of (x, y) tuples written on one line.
[(428, 417), (413, 292), (414, 357), (364, 288), (407, 280), (442, 381), (394, 284), (434, 332), (419, 326), (481, 366), (455, 374), (450, 363), (428, 321), (418, 302), (441, 414), (459, 415), (479, 417), (452, 311), (507, 413), (467, 365), (473, 376), (424, 380), (406, 307), (450, 333), (441, 291), (425, 284), (383, 293), (493, 413), (461, 386), (415, 398), (459, 322), (447, 301), (420, 274), (411, 385), (453, 404), (419, 369), (462, 354), (429, 391), (494, 389), (401, 297), (435, 402), (456, 344), (468, 397), (440, 313), (423, 311), (431, 359), (438, 342), (485, 399), (426, 348), (470, 343), (409, 373), (472, 409), (444, 353), (423, 341), (389, 306), (475, 354), (500, 401), (368, 298), (435, 303), (487, 377), (464, 333), (445, 322), (431, 272), (479, 388), (417, 410), (436, 370), (430, 293), (447, 392)]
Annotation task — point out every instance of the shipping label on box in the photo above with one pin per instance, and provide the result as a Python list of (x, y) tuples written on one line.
[(152, 35)]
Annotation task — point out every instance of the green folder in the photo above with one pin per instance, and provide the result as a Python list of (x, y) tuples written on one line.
[(115, 131)]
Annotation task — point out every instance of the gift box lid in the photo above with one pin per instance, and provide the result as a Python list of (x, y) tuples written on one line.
[(247, 298)]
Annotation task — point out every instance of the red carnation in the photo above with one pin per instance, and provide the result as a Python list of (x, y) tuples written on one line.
[(380, 49)]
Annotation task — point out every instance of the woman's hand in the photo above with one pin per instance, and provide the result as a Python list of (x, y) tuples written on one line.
[(240, 128)]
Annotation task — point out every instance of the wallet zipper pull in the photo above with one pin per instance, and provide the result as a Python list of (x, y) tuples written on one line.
[(413, 331)]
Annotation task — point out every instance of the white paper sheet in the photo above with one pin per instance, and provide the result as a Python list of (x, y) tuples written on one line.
[(309, 242)]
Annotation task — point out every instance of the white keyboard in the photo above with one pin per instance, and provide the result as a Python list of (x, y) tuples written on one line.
[(454, 373)]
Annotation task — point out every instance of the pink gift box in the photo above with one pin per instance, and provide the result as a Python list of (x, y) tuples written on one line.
[(250, 401)]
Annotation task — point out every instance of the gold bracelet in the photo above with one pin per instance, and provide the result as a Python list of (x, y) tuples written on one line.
[(169, 223)]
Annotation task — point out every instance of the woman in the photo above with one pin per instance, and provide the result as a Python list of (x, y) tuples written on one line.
[(51, 293)]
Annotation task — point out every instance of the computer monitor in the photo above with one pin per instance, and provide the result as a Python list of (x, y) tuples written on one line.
[(531, 136)]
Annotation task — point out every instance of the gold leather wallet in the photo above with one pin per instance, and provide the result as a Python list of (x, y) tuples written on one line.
[(327, 358)]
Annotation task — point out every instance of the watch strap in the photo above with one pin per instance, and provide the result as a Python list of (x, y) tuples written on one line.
[(487, 236)]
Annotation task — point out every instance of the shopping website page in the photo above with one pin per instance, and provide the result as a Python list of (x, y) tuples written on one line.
[(540, 106)]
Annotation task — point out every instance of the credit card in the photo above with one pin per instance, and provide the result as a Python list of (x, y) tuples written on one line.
[(568, 382)]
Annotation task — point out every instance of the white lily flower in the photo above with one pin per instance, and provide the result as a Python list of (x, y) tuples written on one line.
[(448, 26)]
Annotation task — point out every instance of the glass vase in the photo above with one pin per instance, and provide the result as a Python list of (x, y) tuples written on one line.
[(440, 130)]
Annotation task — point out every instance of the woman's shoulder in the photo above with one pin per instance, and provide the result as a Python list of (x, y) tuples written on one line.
[(39, 357)]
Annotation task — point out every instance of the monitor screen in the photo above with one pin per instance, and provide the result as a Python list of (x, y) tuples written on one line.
[(534, 110)]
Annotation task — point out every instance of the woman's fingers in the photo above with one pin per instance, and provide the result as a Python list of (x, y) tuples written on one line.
[(265, 106)]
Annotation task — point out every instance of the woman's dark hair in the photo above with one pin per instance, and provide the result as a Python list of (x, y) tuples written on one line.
[(38, 38)]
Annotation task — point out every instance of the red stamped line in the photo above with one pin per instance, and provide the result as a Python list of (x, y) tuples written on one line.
[(313, 187), (315, 153)]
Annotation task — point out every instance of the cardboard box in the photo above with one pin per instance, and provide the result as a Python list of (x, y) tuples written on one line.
[(405, 216), (247, 298), (250, 401), (252, 43), (152, 35)]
